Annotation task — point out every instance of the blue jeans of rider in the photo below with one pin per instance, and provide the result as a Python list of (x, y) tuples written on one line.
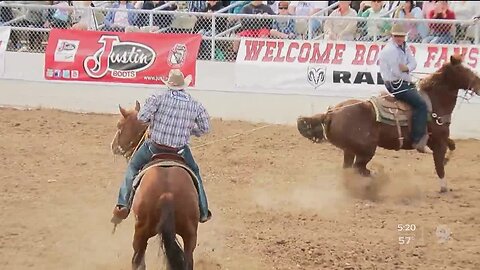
[(413, 98), (141, 157)]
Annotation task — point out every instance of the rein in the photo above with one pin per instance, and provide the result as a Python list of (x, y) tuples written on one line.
[(127, 154)]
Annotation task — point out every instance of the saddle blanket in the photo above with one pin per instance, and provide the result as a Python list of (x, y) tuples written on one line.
[(388, 112)]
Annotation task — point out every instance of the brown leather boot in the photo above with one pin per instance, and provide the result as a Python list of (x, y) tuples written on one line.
[(421, 146)]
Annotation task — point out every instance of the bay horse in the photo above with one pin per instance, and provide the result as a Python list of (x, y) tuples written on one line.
[(358, 127), (165, 202)]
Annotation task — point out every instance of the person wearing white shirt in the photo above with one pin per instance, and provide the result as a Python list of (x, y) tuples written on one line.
[(308, 8), (417, 31), (84, 16), (341, 29), (396, 61)]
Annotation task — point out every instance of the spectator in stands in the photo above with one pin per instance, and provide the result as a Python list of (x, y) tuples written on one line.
[(283, 27), (255, 27), (159, 20), (213, 6), (204, 24), (308, 8), (427, 7), (273, 5), (417, 31), (32, 18), (238, 9), (84, 16), (391, 6), (363, 6), (196, 6), (440, 33), (341, 29), (182, 6), (356, 5), (465, 10), (61, 17), (120, 18), (374, 29)]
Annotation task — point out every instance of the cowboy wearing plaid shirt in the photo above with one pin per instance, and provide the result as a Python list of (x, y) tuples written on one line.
[(173, 116)]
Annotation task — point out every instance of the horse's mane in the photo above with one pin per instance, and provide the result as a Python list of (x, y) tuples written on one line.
[(442, 78), (436, 80)]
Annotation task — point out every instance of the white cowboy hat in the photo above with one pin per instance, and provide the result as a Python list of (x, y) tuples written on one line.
[(176, 80), (398, 30)]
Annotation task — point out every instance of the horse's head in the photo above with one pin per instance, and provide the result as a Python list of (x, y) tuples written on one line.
[(129, 131), (311, 127), (458, 76)]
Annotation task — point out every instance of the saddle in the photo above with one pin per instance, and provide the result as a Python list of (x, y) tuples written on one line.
[(163, 160), (167, 156), (390, 111)]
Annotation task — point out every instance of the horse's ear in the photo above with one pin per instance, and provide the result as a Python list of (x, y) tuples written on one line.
[(137, 106), (456, 59), (123, 111)]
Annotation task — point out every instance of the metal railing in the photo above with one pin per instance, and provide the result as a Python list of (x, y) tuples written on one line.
[(222, 31)]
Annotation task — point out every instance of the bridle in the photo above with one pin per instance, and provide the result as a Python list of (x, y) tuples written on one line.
[(469, 94), (128, 153)]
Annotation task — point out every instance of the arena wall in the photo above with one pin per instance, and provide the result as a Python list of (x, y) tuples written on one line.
[(23, 85)]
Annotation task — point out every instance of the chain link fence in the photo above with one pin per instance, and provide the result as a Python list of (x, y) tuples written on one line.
[(221, 31)]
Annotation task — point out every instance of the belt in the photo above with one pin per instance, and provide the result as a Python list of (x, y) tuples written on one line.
[(165, 147)]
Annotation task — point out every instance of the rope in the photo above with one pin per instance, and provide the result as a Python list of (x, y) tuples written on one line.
[(384, 95), (138, 145), (269, 125), (360, 102), (232, 136)]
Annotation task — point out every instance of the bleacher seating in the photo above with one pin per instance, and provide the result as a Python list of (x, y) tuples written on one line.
[(226, 21)]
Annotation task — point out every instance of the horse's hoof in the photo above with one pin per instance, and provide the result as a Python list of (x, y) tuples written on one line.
[(443, 189)]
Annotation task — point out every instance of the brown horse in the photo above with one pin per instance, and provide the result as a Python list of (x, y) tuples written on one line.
[(358, 127), (165, 202)]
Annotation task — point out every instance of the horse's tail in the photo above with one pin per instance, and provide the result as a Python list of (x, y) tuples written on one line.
[(324, 123), (315, 127), (166, 230)]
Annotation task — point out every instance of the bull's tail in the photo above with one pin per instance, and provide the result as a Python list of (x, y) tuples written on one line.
[(166, 230)]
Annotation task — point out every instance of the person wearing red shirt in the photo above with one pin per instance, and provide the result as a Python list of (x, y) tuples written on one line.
[(440, 33)]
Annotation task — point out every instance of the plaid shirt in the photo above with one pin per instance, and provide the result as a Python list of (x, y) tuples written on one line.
[(174, 116)]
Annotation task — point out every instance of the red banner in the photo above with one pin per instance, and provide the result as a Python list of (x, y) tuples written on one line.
[(76, 55)]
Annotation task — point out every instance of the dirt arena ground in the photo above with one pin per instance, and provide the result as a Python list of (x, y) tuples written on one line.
[(279, 201)]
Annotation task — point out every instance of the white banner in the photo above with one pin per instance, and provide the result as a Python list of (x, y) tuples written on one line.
[(4, 36), (344, 69)]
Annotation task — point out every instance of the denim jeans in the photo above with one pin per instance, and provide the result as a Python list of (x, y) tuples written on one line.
[(419, 106), (142, 156)]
